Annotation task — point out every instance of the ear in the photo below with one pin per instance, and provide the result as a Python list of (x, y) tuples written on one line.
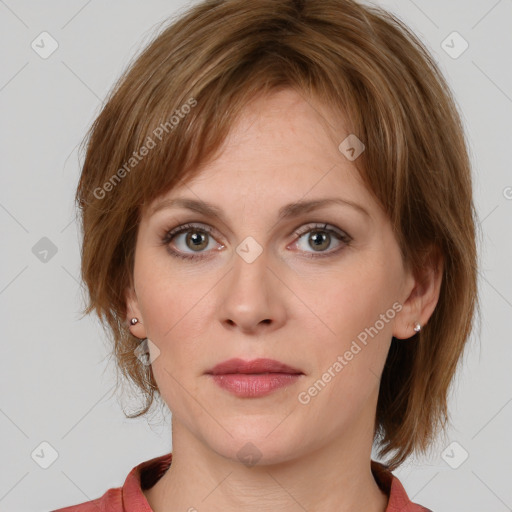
[(423, 290), (133, 311)]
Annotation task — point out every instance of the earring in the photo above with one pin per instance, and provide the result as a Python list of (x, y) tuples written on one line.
[(134, 321), (417, 327)]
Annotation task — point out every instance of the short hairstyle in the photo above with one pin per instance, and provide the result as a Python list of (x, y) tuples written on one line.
[(173, 107)]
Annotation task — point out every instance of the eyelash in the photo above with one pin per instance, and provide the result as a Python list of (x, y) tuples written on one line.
[(171, 234)]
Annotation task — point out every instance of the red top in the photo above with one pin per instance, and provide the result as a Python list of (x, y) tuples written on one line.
[(130, 498)]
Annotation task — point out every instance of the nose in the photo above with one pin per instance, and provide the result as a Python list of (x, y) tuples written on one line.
[(251, 297)]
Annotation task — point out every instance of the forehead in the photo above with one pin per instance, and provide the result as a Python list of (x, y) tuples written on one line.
[(281, 139), (284, 120), (282, 156)]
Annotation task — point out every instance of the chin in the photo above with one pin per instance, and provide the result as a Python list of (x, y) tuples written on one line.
[(257, 446)]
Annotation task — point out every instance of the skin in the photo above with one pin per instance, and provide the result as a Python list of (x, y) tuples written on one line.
[(284, 305)]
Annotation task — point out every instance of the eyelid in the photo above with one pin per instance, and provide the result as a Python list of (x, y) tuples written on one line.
[(169, 234), (306, 228), (199, 226), (301, 230)]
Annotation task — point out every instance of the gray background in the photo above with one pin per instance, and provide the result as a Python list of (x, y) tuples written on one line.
[(56, 379)]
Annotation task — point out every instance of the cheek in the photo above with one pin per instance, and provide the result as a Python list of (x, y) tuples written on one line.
[(356, 304), (174, 315), (350, 362), (168, 298), (176, 309), (347, 302), (175, 322)]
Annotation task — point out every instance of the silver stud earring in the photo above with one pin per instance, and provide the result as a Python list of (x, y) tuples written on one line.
[(417, 327), (134, 321)]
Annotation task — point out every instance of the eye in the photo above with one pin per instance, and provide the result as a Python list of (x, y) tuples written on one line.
[(320, 238), (190, 239), (194, 241)]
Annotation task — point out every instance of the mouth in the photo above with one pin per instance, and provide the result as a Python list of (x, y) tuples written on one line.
[(253, 379), (254, 367)]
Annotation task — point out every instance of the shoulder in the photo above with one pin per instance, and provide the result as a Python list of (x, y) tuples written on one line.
[(129, 497)]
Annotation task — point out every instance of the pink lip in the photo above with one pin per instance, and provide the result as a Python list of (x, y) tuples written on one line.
[(237, 365), (252, 379), (253, 386)]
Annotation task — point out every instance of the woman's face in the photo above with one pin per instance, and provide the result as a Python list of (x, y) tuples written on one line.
[(322, 289)]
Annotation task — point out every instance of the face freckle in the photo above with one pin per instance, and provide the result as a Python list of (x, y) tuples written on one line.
[(265, 295)]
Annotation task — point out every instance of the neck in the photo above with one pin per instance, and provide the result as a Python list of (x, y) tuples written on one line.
[(334, 476)]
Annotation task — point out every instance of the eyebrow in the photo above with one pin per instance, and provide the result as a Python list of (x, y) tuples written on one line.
[(286, 212)]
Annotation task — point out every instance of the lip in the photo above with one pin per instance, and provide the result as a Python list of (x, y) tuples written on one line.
[(253, 379), (262, 365), (255, 385)]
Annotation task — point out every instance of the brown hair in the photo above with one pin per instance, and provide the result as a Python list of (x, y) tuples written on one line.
[(185, 90)]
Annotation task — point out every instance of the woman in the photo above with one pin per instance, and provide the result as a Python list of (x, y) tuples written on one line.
[(279, 234)]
